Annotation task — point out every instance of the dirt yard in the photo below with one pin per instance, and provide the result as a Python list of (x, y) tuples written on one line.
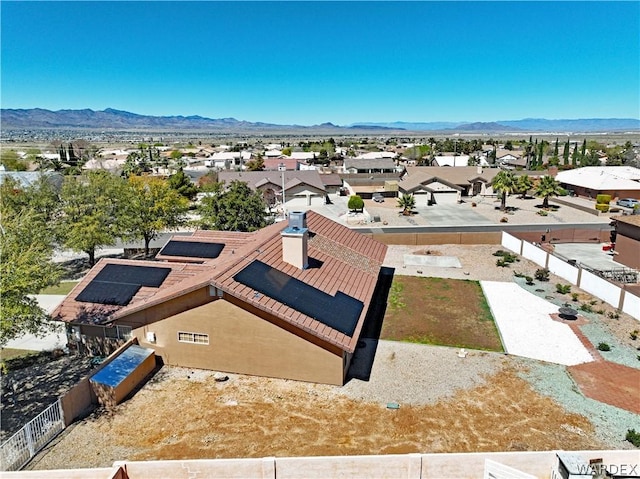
[(440, 311), (186, 415)]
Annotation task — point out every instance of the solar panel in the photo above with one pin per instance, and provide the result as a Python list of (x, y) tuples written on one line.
[(192, 249), (340, 312), (140, 275), (108, 293)]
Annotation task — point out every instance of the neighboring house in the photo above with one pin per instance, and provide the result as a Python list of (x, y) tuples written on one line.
[(378, 165), (377, 155), (288, 301), (451, 160), (228, 159), (277, 163), (444, 184), (628, 240), (304, 155), (302, 188), (590, 181)]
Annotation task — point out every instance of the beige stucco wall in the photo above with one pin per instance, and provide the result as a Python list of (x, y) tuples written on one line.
[(241, 342)]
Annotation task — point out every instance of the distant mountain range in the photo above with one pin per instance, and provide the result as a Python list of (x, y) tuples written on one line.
[(111, 119)]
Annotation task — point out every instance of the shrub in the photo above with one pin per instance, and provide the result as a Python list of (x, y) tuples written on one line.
[(603, 199), (574, 296), (518, 275), (355, 203), (504, 219), (586, 308), (634, 334), (502, 263), (542, 274), (543, 213), (604, 347), (529, 280), (602, 208), (563, 288), (633, 437), (613, 315)]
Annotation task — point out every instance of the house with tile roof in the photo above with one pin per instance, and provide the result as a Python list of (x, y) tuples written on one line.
[(302, 188), (288, 301)]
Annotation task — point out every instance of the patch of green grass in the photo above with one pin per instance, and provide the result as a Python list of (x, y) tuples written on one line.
[(10, 353), (395, 295), (63, 288)]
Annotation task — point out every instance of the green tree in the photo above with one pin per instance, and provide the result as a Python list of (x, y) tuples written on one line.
[(11, 161), (152, 206), (92, 208), (355, 203), (508, 145), (180, 182), (286, 151), (256, 164), (504, 183), (25, 269), (575, 156), (548, 186), (236, 208), (523, 185), (565, 152), (555, 149), (407, 203)]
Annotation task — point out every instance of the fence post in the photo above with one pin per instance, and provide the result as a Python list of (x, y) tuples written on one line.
[(27, 433)]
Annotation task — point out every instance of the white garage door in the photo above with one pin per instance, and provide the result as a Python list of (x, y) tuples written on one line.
[(448, 198)]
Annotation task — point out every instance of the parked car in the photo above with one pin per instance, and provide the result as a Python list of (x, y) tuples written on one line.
[(628, 202), (378, 198)]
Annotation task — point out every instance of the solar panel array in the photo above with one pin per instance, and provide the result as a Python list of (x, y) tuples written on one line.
[(116, 284), (340, 312), (192, 249)]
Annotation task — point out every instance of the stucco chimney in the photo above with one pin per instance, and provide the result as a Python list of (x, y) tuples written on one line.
[(294, 240)]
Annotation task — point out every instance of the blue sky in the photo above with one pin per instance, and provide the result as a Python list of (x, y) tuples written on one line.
[(312, 62)]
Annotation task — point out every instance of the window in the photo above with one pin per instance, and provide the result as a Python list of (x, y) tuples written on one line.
[(194, 338)]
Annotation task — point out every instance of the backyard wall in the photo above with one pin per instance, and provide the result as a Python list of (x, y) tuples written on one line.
[(409, 466), (417, 239), (591, 283)]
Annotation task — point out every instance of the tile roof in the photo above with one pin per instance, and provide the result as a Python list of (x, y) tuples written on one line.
[(252, 178), (343, 260)]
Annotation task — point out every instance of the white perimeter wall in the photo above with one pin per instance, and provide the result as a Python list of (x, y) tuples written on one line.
[(600, 288), (563, 269), (585, 280), (511, 242), (535, 254), (631, 305)]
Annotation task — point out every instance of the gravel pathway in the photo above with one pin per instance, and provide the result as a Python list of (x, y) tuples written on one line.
[(416, 374)]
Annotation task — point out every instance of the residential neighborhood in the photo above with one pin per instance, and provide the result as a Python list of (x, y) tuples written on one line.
[(309, 290)]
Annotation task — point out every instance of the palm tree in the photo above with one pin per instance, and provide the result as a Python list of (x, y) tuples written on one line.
[(505, 183), (407, 203), (523, 184), (548, 186)]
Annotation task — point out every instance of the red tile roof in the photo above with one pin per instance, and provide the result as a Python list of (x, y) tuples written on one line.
[(349, 262)]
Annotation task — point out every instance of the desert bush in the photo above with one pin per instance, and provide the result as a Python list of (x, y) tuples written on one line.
[(543, 213), (529, 280), (542, 274), (633, 437), (612, 315), (574, 296), (602, 208), (603, 199), (634, 334), (563, 288), (586, 307), (604, 347)]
